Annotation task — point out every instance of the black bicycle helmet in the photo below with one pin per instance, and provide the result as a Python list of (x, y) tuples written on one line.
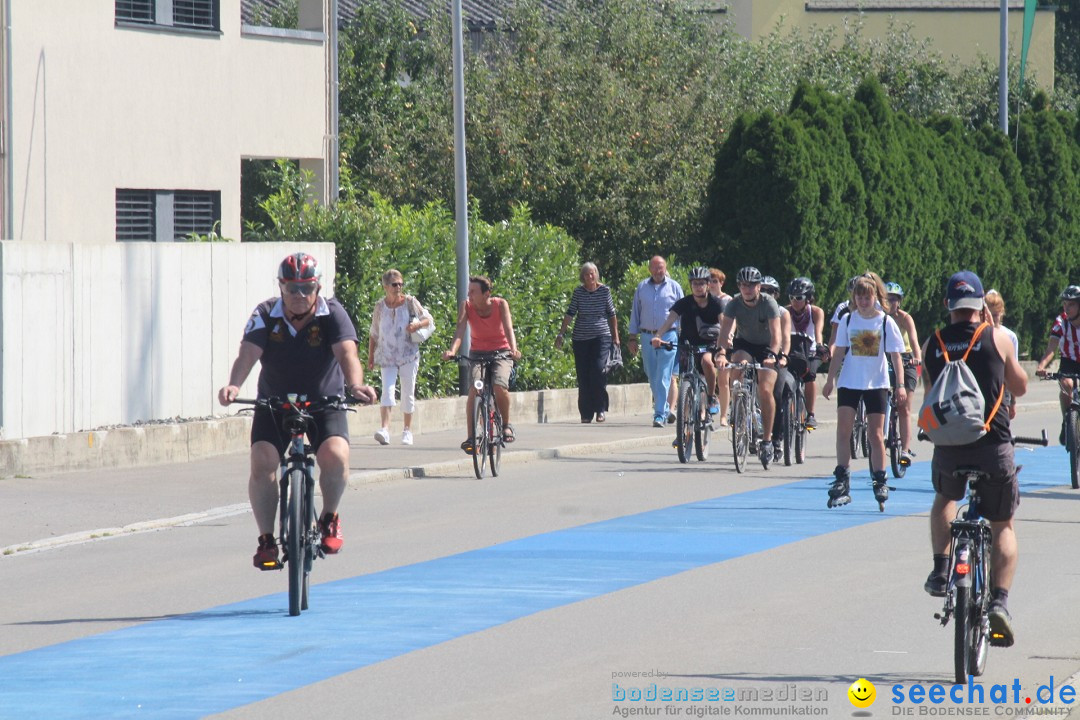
[(699, 273), (851, 283), (769, 283), (1071, 293), (800, 286), (749, 274)]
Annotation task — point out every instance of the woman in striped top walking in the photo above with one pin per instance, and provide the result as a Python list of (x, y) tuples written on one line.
[(595, 327)]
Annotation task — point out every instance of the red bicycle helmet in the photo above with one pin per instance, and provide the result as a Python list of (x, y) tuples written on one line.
[(299, 267)]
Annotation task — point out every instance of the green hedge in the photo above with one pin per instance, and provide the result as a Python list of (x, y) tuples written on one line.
[(535, 267), (836, 186)]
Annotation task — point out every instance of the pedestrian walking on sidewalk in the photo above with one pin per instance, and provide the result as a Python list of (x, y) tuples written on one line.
[(390, 346), (595, 329)]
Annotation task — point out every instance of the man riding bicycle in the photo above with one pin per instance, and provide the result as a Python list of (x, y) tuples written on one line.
[(995, 367), (785, 379), (756, 318), (698, 316), (1064, 335), (306, 345)]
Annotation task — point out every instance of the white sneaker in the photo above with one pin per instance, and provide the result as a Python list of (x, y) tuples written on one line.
[(406, 437), (382, 436)]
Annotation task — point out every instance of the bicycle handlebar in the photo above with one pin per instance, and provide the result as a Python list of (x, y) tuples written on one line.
[(1060, 376), (302, 403), (1016, 439), (744, 366), (462, 359)]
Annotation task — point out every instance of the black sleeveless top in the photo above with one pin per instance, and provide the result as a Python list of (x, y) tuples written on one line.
[(986, 364)]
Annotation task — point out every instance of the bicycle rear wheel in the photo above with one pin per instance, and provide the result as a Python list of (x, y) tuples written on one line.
[(962, 620), (294, 545), (495, 441), (684, 421), (741, 429), (702, 425), (800, 425), (1072, 440), (480, 439)]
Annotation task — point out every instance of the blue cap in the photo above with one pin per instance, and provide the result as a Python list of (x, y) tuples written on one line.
[(964, 291)]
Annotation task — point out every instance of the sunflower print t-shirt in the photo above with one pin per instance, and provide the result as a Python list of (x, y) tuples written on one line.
[(865, 364)]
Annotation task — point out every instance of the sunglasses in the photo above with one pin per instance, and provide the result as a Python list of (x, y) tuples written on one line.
[(397, 284), (304, 289), (699, 282), (797, 297)]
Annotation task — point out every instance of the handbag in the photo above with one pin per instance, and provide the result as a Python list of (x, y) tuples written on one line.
[(614, 359), (423, 333)]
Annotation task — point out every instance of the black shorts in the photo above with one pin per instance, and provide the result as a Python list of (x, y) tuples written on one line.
[(760, 353), (266, 427), (999, 495), (875, 400), (803, 367), (1069, 367), (911, 373)]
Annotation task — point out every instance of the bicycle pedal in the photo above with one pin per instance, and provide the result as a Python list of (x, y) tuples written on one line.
[(275, 565)]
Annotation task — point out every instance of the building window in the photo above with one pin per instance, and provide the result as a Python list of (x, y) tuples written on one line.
[(135, 10), (166, 215), (187, 14)]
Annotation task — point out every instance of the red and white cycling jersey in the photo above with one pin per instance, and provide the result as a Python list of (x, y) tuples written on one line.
[(1068, 336)]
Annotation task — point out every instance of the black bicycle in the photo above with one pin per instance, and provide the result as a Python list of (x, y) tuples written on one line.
[(967, 595), (693, 424), (299, 532), (487, 437), (745, 414), (1072, 426)]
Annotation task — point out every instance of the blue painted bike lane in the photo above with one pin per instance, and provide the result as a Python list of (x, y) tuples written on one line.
[(225, 657)]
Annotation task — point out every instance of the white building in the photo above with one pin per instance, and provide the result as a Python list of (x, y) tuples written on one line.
[(124, 126)]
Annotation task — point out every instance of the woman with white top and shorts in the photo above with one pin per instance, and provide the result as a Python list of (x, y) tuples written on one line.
[(866, 340)]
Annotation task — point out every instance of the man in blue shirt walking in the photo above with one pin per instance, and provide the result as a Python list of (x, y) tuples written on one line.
[(653, 299)]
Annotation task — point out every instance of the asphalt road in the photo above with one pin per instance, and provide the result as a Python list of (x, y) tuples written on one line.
[(560, 590)]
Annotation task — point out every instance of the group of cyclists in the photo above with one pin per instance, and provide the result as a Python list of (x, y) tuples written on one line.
[(307, 345)]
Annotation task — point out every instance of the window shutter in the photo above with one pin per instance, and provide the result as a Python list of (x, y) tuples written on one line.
[(135, 10), (195, 212), (134, 215), (195, 14)]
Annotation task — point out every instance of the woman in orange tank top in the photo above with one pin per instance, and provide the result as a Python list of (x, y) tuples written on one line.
[(492, 329)]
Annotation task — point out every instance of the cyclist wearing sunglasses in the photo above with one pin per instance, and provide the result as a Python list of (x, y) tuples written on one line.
[(306, 344), (808, 350)]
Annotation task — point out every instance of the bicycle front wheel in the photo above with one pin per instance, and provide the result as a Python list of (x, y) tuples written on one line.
[(294, 540), (495, 442), (702, 425), (894, 443), (684, 422), (787, 426), (480, 440), (741, 430), (800, 425), (1072, 442)]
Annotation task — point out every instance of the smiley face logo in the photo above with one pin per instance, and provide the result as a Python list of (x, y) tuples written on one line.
[(862, 693)]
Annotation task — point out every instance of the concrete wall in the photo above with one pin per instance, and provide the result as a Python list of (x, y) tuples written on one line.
[(953, 30), (94, 335), (97, 106)]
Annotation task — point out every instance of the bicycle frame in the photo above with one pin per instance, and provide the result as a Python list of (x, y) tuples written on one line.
[(298, 530), (967, 595), (1071, 420), (487, 420), (744, 403), (692, 424)]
